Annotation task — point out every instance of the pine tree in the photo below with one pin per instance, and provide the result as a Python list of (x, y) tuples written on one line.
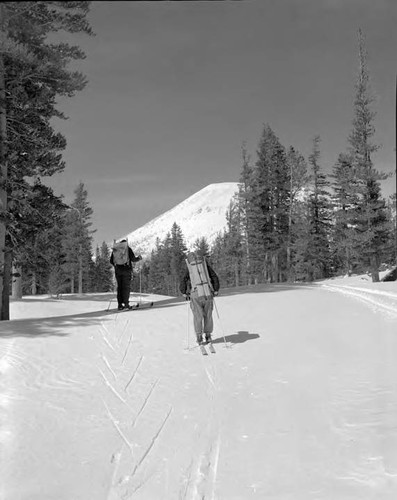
[(267, 211), (372, 223), (201, 246), (102, 279), (318, 252), (220, 260), (177, 257), (234, 245), (299, 180), (155, 274), (78, 240), (32, 231), (345, 200), (33, 73), (245, 205)]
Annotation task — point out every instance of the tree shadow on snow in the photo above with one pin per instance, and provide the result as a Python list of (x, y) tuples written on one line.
[(264, 288), (237, 338), (50, 326)]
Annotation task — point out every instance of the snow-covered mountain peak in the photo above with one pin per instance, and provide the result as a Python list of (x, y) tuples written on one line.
[(201, 215)]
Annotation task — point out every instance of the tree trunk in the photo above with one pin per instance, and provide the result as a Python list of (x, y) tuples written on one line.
[(236, 273), (80, 270), (16, 282), (374, 269), (34, 284), (5, 300), (3, 170)]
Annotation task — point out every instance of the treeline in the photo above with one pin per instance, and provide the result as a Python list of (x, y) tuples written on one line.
[(162, 270), (291, 221), (57, 256)]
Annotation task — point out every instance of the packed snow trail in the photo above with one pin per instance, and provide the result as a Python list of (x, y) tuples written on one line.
[(102, 405)]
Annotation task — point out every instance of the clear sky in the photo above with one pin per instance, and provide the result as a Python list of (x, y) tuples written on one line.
[(176, 86)]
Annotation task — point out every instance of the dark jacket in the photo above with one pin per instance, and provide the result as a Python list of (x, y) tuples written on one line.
[(126, 266), (185, 286)]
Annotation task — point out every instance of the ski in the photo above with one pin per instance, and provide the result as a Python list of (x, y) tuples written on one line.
[(203, 350), (138, 305), (142, 305), (211, 347)]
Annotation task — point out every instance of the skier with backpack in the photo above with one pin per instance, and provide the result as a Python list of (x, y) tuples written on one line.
[(200, 284), (122, 258)]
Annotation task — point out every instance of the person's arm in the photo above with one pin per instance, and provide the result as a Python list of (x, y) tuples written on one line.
[(132, 256), (214, 278), (183, 286)]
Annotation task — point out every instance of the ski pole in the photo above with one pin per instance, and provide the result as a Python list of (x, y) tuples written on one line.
[(111, 300), (140, 285), (188, 326), (220, 322)]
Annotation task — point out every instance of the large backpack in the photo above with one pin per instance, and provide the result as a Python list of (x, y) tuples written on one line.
[(199, 276), (120, 253)]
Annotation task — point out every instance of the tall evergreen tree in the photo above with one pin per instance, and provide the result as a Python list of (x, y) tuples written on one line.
[(299, 180), (33, 232), (267, 214), (167, 263), (102, 280), (245, 206), (371, 223), (78, 240), (345, 200), (178, 255), (33, 73), (318, 253), (234, 243)]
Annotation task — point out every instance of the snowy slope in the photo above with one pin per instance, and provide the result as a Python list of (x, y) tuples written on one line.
[(101, 405), (202, 214)]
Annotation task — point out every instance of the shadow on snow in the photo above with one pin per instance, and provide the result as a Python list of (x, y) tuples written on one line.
[(34, 327), (237, 338)]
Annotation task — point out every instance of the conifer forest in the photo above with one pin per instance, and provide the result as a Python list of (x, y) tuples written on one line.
[(289, 221)]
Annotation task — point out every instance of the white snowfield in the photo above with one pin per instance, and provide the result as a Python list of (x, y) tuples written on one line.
[(298, 403), (203, 214)]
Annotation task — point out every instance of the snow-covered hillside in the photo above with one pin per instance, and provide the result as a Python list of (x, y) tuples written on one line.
[(201, 215), (298, 403)]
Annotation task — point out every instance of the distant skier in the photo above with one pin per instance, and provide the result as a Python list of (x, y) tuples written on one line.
[(122, 258), (199, 285)]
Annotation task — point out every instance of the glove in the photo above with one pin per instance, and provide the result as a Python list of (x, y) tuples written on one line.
[(139, 257), (215, 294)]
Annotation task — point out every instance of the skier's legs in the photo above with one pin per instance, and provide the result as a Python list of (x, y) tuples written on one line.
[(119, 281), (125, 287), (207, 315), (197, 308)]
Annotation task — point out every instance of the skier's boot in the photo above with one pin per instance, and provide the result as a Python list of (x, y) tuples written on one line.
[(208, 338), (120, 307), (199, 338), (127, 306)]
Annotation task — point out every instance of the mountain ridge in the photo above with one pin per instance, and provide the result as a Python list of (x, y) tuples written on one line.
[(203, 214)]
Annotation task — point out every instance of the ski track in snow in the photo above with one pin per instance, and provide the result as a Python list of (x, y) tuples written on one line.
[(202, 483), (230, 425), (379, 301), (126, 480)]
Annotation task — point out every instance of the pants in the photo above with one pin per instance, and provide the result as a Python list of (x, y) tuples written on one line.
[(123, 279), (202, 313)]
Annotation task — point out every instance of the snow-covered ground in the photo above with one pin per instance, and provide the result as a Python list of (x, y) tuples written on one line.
[(299, 402)]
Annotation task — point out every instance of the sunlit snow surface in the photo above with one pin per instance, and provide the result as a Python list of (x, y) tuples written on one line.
[(299, 402)]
